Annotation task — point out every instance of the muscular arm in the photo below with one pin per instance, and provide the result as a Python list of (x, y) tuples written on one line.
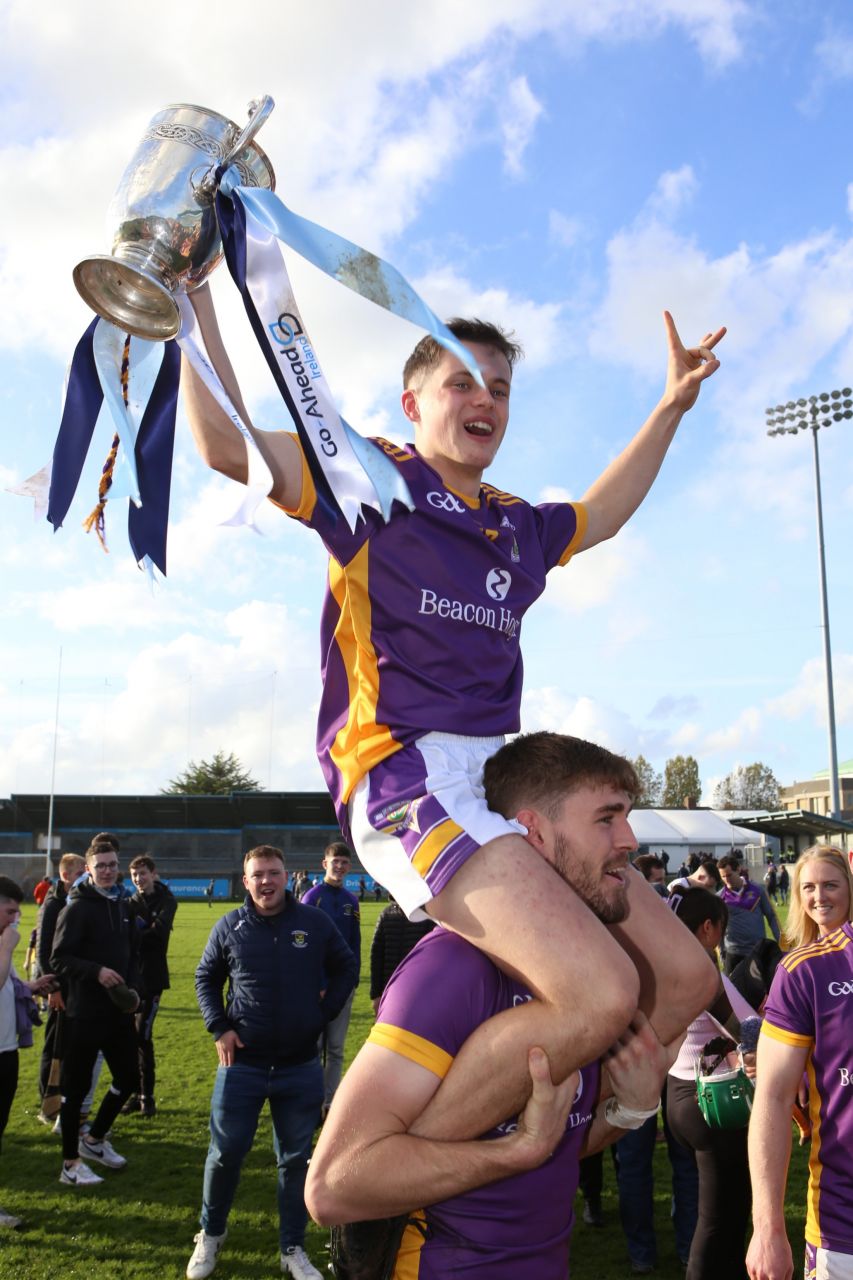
[(218, 441), (779, 1070), (617, 493), (677, 980), (366, 1164)]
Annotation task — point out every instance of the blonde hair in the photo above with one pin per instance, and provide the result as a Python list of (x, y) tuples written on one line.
[(800, 929)]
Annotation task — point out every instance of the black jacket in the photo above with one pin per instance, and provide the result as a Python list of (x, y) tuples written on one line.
[(93, 932), (46, 926), (393, 939), (276, 969), (153, 914)]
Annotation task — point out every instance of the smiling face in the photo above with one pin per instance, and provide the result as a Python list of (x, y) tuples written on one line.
[(336, 867), (591, 850), (266, 881), (458, 425), (825, 894), (143, 878)]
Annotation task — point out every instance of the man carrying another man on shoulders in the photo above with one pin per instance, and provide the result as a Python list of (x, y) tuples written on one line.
[(500, 1205)]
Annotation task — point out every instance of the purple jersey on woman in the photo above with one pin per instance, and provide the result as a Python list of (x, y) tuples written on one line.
[(520, 1226), (420, 627), (811, 1006)]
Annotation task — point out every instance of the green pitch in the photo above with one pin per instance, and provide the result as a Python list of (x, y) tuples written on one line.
[(140, 1222)]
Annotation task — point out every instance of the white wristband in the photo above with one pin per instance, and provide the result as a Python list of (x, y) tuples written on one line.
[(625, 1117)]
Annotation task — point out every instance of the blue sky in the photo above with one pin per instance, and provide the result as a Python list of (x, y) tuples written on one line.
[(569, 170)]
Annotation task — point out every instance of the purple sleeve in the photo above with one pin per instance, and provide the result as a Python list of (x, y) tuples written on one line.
[(561, 527), (790, 1005), (441, 992)]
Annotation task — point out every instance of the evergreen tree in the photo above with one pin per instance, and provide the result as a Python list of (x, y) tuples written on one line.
[(217, 777)]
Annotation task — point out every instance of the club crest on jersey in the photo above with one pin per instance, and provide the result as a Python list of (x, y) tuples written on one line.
[(391, 818), (515, 554), (299, 938)]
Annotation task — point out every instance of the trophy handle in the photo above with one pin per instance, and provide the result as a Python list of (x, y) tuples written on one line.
[(259, 110)]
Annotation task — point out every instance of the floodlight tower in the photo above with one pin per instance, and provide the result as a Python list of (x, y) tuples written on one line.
[(787, 419)]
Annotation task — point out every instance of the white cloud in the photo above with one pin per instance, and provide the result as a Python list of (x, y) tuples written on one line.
[(674, 190), (742, 733), (582, 717), (564, 231), (520, 110), (835, 56), (597, 575), (248, 684), (807, 696)]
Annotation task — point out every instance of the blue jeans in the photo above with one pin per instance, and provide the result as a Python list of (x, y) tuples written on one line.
[(332, 1050), (295, 1095), (635, 1153)]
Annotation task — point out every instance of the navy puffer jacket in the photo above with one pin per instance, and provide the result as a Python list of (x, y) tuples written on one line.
[(276, 969)]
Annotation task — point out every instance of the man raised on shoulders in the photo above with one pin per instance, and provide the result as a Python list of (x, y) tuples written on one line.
[(420, 642)]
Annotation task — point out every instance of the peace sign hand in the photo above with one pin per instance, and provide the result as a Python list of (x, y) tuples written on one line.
[(688, 367)]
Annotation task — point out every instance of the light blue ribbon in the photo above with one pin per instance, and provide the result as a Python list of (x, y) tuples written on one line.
[(345, 262)]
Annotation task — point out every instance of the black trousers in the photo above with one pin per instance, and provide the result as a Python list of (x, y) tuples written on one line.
[(48, 1052), (144, 1022), (725, 1191), (115, 1037), (8, 1085)]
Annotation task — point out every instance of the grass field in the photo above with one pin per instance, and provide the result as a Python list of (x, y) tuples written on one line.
[(140, 1222)]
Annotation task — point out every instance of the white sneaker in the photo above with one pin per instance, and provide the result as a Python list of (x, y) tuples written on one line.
[(9, 1220), (204, 1255), (295, 1262), (102, 1152), (79, 1175)]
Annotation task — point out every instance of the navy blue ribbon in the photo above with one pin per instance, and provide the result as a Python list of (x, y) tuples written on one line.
[(83, 399), (232, 225), (155, 442)]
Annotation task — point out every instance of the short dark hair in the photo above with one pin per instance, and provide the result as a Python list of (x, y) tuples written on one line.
[(694, 906), (428, 352), (10, 890), (644, 862), (542, 768), (337, 849), (710, 866), (732, 860), (144, 860), (263, 851), (100, 846), (107, 837)]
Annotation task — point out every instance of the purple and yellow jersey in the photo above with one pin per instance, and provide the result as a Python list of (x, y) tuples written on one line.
[(811, 1006), (521, 1226), (420, 627)]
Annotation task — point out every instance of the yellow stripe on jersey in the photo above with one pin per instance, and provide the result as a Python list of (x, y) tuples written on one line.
[(580, 533), (362, 742), (433, 845), (833, 942), (786, 1037), (492, 494), (308, 492), (812, 1233), (408, 1262), (411, 1046)]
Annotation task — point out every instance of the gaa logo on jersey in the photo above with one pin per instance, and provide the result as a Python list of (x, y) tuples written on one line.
[(445, 502), (498, 583), (840, 988), (391, 818), (299, 938)]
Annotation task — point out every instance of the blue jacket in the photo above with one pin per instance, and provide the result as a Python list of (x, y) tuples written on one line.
[(276, 969), (342, 906)]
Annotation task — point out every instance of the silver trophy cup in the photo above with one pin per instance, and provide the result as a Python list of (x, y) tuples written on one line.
[(165, 237)]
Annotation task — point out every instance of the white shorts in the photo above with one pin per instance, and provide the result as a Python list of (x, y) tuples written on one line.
[(421, 813), (826, 1264)]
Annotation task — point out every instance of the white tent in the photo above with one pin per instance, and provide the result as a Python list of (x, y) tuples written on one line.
[(682, 831)]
